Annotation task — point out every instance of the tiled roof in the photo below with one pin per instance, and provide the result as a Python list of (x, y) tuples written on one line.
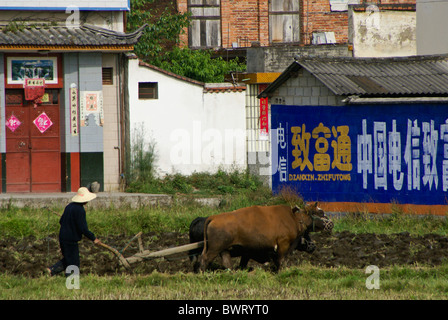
[(208, 87), (403, 76), (85, 35), (223, 87), (168, 73)]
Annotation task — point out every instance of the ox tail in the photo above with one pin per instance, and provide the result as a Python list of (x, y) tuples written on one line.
[(207, 222)]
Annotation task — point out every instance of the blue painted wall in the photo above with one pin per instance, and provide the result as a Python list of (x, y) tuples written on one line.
[(362, 153)]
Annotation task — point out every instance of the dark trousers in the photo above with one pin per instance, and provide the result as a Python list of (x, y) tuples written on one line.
[(70, 254)]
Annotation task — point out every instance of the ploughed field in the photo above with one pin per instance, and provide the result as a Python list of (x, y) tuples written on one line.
[(29, 256)]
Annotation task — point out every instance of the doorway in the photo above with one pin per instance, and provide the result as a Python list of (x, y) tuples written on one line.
[(33, 157)]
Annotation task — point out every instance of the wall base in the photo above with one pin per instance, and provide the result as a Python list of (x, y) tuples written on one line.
[(383, 208)]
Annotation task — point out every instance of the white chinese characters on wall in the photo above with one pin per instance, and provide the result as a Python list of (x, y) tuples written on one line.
[(42, 122), (91, 104), (362, 153), (13, 123), (380, 154)]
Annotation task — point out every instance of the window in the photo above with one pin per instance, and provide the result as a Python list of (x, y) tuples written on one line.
[(14, 97), (108, 74), (341, 5), (284, 21), (51, 96), (205, 27), (148, 90)]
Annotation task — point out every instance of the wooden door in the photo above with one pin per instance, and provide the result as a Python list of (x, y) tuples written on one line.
[(33, 159)]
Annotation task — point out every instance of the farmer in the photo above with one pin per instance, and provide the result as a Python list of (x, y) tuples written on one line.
[(73, 225)]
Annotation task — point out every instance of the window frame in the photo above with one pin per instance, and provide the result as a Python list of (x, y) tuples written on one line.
[(152, 86), (109, 81), (205, 29), (294, 22)]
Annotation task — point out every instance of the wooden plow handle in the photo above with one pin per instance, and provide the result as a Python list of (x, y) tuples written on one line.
[(140, 245), (120, 257), (146, 254)]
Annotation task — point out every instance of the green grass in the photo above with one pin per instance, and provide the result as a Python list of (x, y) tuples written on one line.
[(391, 223), (199, 183), (303, 281), (296, 283), (21, 222)]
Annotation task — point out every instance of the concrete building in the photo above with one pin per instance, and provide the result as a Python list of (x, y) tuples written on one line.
[(61, 85), (382, 30), (236, 24), (192, 126), (362, 133), (432, 24)]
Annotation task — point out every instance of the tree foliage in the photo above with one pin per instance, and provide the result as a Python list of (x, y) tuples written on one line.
[(199, 64), (163, 31), (160, 44)]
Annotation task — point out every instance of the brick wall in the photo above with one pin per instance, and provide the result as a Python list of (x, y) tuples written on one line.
[(316, 16), (244, 22), (26, 4), (157, 8), (241, 21), (182, 8), (247, 21)]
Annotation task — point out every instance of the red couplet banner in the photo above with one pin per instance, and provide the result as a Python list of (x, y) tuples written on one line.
[(264, 121)]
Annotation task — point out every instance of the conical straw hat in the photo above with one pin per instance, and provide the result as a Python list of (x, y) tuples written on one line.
[(83, 195)]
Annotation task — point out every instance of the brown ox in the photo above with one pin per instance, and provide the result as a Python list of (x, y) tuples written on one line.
[(268, 233)]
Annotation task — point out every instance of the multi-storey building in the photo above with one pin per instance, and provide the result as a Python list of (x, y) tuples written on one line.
[(61, 85)]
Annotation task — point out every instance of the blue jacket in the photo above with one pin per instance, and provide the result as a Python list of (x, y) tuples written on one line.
[(74, 224)]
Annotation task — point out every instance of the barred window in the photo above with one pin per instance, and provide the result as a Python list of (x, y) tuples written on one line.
[(108, 78), (148, 90)]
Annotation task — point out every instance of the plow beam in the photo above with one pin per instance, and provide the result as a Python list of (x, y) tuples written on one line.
[(146, 254)]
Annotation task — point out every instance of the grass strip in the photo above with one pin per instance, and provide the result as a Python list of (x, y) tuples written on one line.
[(297, 283)]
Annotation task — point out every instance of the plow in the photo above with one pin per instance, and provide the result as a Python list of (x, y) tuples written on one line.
[(311, 216), (142, 254)]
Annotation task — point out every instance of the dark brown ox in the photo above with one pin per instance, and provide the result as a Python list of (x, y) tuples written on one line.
[(263, 233)]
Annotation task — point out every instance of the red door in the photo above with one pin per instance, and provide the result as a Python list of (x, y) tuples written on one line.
[(33, 159)]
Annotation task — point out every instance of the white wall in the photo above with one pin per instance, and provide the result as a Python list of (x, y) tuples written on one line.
[(111, 134), (193, 130), (376, 33), (112, 20), (432, 24)]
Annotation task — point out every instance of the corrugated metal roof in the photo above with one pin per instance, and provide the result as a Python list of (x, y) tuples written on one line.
[(382, 76), (84, 35), (403, 76)]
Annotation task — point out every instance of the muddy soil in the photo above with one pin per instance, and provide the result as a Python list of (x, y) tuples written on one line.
[(30, 256)]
